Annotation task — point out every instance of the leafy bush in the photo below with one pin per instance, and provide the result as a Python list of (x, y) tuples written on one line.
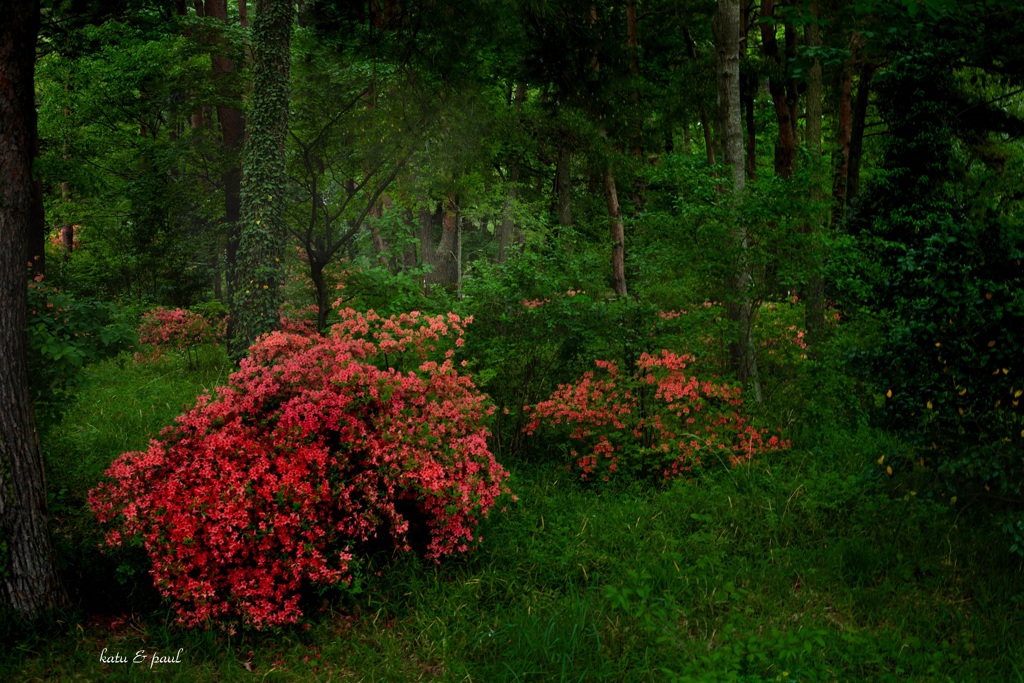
[(65, 334), (662, 421), (318, 446), (945, 270)]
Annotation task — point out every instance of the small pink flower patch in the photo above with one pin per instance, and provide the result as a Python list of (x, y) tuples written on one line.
[(664, 412), (163, 329)]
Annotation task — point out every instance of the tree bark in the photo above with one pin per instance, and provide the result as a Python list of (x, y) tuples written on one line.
[(859, 115), (232, 130), (506, 230), (814, 298), (727, 35), (67, 230), (563, 188), (726, 26), (748, 90), (507, 227), (259, 273), (380, 245), (702, 112), (842, 156), (29, 582), (618, 233), (781, 90), (323, 303), (446, 260), (633, 50)]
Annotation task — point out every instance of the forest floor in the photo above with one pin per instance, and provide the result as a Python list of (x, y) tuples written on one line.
[(812, 564)]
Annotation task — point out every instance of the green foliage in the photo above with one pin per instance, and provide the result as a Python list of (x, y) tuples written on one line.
[(540, 321), (812, 567), (949, 280), (119, 405), (65, 334), (118, 160)]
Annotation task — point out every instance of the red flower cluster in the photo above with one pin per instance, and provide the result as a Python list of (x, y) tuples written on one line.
[(315, 445), (299, 321), (176, 328), (669, 419)]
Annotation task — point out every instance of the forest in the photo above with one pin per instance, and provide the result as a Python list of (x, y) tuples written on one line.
[(512, 340)]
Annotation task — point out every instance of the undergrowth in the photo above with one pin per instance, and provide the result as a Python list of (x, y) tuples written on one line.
[(812, 564)]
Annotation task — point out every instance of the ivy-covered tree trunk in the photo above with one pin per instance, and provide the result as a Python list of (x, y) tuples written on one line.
[(258, 275), (727, 35), (28, 576)]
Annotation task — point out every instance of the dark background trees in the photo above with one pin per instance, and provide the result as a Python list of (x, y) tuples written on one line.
[(857, 161)]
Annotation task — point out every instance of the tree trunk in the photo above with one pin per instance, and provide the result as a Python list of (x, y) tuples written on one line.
[(67, 230), (232, 130), (29, 582), (506, 230), (617, 232), (563, 190), (727, 35), (636, 147), (748, 91), (259, 272), (781, 91), (726, 26), (702, 112), (858, 116), (446, 266), (380, 245), (814, 297), (842, 160), (426, 223), (323, 302)]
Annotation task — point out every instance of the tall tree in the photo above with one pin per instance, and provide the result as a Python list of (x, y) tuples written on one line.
[(28, 576), (232, 130), (781, 86), (258, 274), (727, 35), (815, 294)]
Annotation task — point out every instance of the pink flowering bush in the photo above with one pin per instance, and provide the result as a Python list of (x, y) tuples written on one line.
[(164, 329), (318, 446), (662, 421)]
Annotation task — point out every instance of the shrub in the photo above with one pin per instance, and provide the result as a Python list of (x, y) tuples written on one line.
[(659, 422), (317, 446), (175, 328), (65, 334)]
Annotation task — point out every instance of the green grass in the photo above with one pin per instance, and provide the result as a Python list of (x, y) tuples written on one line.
[(813, 565)]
